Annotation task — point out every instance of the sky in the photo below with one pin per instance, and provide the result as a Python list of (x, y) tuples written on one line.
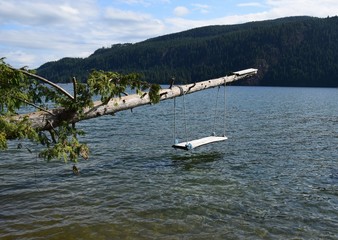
[(33, 32)]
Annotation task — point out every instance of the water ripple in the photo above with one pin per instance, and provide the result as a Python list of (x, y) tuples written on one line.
[(275, 178)]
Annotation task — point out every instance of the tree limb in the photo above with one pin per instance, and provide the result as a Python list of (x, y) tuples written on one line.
[(45, 81), (33, 105), (43, 121)]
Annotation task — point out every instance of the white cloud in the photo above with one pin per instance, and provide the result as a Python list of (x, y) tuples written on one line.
[(129, 26), (22, 58), (69, 10), (44, 31), (202, 8), (34, 32), (181, 24), (59, 30), (41, 13), (316, 8), (130, 16), (250, 4), (143, 2), (181, 11), (271, 9)]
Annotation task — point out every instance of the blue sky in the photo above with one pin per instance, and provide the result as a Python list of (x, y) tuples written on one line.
[(37, 31)]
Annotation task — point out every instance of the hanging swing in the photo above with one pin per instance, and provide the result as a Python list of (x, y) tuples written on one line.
[(191, 144)]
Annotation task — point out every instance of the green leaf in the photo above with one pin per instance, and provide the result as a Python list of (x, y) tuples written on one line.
[(18, 89)]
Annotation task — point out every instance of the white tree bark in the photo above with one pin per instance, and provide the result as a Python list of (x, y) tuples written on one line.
[(44, 121)]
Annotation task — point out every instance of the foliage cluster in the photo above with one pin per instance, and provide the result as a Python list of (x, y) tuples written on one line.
[(294, 51), (20, 88)]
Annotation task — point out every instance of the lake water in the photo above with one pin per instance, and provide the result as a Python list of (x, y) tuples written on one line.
[(276, 177)]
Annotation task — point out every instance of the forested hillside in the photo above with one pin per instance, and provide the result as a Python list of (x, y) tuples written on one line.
[(294, 51)]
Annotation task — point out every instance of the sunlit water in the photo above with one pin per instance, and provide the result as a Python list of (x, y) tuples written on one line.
[(276, 177)]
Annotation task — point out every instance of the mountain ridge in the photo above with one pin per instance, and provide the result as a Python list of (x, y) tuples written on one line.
[(291, 51)]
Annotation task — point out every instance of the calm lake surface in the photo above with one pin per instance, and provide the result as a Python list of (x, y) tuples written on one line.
[(276, 177)]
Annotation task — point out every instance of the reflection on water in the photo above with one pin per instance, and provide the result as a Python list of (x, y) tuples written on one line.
[(191, 159), (276, 177)]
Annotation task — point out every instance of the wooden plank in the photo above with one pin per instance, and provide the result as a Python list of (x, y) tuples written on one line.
[(198, 142), (246, 71)]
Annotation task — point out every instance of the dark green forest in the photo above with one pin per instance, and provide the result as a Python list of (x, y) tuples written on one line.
[(293, 51)]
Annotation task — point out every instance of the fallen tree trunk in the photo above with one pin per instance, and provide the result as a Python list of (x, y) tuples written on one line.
[(43, 120)]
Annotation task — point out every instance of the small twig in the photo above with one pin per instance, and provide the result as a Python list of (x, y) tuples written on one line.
[(191, 87), (44, 80), (75, 96), (52, 131), (74, 88), (164, 93), (51, 124), (52, 135), (33, 105), (172, 82)]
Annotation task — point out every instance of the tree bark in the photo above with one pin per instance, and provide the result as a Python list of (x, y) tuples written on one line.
[(45, 121)]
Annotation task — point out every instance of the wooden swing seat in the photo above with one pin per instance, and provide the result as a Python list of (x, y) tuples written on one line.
[(198, 142)]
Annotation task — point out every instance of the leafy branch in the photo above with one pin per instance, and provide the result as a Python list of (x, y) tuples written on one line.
[(20, 88)]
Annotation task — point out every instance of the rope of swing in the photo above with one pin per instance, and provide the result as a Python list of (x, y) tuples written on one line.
[(174, 120), (215, 114), (224, 117), (184, 119), (224, 110)]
